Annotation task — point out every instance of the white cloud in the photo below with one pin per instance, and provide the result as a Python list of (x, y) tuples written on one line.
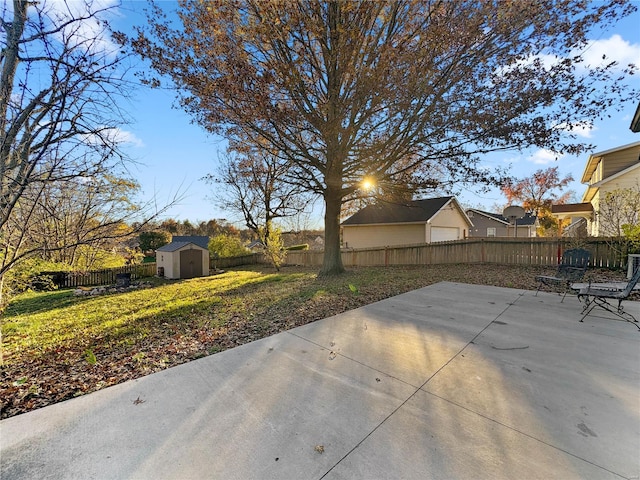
[(544, 157), (113, 136), (125, 137), (89, 33), (615, 48)]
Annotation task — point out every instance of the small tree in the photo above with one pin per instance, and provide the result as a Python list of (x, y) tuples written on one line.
[(274, 250), (632, 234), (153, 239), (618, 208), (619, 217)]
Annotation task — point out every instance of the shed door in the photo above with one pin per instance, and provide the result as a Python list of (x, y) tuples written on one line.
[(190, 263), (442, 234)]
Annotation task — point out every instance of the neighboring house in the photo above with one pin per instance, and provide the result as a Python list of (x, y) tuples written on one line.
[(313, 238), (256, 246), (486, 224), (184, 257), (415, 222), (617, 168)]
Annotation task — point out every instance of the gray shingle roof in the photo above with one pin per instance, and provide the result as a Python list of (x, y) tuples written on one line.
[(201, 241), (173, 246), (178, 242), (409, 212)]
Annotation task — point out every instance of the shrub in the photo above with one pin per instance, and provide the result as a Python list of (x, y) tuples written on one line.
[(632, 236), (223, 246), (34, 274)]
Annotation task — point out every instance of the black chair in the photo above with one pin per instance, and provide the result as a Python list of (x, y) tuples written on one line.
[(572, 268), (601, 296)]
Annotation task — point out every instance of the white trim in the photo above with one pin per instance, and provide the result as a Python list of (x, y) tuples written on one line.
[(612, 150)]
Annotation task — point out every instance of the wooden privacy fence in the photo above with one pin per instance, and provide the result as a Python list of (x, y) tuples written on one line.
[(252, 259), (106, 276), (607, 253), (531, 251)]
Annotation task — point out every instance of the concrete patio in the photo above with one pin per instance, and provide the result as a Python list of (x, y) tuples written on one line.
[(452, 381)]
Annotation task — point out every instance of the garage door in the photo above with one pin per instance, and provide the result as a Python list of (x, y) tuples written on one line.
[(442, 234)]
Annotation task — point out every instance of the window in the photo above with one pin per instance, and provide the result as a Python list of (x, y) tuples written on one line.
[(491, 231)]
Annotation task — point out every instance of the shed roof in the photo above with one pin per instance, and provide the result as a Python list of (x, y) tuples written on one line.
[(416, 211), (201, 241), (175, 246)]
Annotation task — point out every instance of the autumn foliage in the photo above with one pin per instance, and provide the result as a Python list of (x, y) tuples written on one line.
[(538, 193)]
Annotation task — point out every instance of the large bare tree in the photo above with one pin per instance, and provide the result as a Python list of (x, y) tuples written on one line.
[(353, 89), (254, 183), (61, 78)]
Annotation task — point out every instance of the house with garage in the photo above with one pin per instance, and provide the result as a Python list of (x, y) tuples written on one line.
[(408, 223), (184, 257), (487, 224), (606, 171)]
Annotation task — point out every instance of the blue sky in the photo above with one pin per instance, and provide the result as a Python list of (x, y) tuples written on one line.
[(173, 154)]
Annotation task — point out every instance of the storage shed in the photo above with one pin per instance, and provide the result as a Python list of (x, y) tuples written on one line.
[(184, 257)]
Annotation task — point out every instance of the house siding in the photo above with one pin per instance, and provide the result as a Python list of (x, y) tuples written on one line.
[(608, 165), (597, 175), (481, 223), (367, 236), (618, 161)]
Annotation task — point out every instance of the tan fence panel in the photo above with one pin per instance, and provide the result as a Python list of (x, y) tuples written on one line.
[(607, 253)]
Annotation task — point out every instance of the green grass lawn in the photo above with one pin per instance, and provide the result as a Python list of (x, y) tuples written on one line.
[(37, 323), (56, 345)]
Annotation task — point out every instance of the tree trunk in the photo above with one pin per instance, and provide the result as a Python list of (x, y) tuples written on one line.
[(332, 262)]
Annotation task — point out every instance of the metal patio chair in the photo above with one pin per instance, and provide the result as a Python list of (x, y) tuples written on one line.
[(572, 268), (601, 296)]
